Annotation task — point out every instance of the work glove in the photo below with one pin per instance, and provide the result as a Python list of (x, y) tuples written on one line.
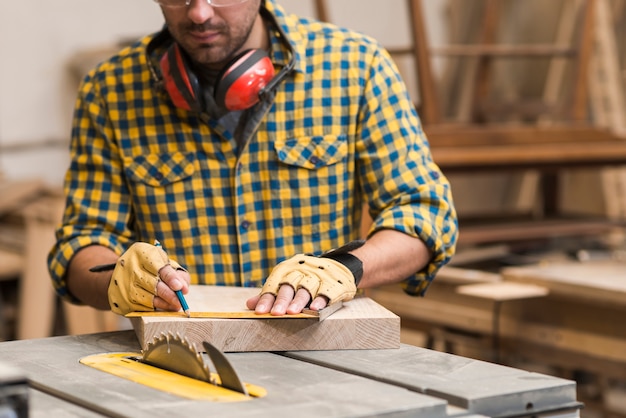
[(135, 277), (319, 276)]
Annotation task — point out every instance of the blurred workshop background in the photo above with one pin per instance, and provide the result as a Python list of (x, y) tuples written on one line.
[(524, 105)]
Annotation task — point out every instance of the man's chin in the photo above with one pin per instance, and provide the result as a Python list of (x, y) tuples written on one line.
[(208, 57)]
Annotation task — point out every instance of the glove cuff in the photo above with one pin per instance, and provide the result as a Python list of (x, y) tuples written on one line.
[(353, 263)]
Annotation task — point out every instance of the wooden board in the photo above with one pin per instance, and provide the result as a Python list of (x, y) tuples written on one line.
[(11, 264), (601, 281), (457, 275), (510, 147), (504, 291), (536, 229), (360, 324), (17, 193)]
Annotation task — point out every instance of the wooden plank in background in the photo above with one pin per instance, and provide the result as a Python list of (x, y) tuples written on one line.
[(360, 324), (503, 291), (555, 330), (17, 193), (11, 264), (600, 281)]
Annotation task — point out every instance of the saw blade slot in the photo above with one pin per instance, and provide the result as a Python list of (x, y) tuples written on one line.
[(130, 367), (171, 364)]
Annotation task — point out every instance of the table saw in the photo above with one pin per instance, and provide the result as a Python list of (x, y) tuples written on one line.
[(405, 381)]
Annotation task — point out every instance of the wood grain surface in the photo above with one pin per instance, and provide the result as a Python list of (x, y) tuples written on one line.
[(360, 324), (600, 281)]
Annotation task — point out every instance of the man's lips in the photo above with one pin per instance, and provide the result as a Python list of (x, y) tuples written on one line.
[(204, 37)]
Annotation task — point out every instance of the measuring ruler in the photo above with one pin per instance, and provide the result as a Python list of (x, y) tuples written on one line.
[(305, 314)]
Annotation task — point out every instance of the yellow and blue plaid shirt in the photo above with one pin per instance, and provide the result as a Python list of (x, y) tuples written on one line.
[(341, 131)]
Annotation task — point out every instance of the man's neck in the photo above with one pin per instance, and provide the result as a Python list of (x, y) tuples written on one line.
[(259, 35)]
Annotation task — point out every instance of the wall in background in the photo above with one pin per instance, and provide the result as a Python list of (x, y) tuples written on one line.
[(37, 40)]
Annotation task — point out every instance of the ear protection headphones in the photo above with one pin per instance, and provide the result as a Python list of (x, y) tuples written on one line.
[(244, 81)]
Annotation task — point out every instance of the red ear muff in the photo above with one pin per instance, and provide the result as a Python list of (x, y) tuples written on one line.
[(242, 84), (243, 80), (179, 82)]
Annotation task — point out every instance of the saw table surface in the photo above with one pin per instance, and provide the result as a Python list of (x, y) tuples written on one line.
[(407, 381)]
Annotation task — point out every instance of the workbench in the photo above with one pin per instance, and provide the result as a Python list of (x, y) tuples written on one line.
[(408, 381)]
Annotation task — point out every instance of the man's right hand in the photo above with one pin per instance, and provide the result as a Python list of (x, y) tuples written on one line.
[(144, 279)]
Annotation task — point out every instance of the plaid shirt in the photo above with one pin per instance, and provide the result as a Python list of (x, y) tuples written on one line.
[(341, 131)]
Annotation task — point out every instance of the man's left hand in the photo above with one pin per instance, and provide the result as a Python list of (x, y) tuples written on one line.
[(295, 282)]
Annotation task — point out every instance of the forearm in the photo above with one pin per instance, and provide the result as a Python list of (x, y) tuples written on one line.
[(89, 287), (389, 257)]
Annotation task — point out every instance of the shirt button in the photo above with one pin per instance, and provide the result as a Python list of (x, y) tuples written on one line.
[(314, 160), (245, 225), (158, 176)]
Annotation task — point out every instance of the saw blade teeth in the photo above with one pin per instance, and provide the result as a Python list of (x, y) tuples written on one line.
[(175, 353)]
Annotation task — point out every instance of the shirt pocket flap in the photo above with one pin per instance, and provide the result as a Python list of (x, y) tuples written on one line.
[(159, 170), (312, 152)]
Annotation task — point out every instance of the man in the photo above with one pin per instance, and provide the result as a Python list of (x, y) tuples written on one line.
[(252, 194)]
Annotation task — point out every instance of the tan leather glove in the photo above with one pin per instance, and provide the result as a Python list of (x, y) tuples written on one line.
[(135, 278), (319, 276)]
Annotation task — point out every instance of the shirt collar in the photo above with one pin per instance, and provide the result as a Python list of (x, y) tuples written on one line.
[(291, 28)]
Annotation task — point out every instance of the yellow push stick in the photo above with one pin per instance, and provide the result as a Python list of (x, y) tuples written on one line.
[(126, 365)]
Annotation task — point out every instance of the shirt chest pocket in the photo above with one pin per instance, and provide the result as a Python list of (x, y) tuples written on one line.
[(313, 152), (160, 170)]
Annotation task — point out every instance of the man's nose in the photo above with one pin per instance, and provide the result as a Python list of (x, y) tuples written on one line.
[(199, 11)]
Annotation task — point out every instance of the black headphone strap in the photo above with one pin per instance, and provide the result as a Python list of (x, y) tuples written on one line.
[(159, 40), (181, 73)]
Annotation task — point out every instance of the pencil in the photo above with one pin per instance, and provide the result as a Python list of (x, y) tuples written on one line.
[(183, 302), (179, 293)]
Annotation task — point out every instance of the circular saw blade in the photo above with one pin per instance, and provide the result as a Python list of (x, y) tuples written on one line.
[(174, 353)]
